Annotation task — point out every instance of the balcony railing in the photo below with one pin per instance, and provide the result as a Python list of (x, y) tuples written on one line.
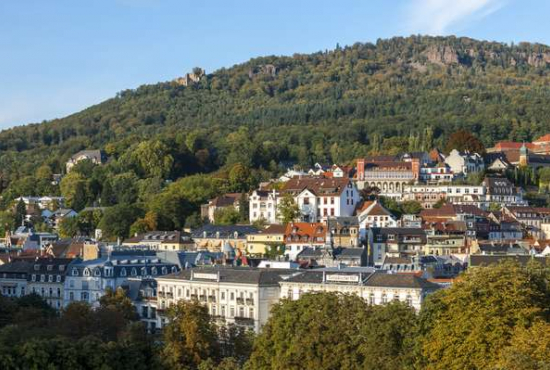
[(240, 300), (249, 301), (211, 298), (202, 298)]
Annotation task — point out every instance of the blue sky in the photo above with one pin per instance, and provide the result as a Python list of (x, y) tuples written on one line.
[(60, 56)]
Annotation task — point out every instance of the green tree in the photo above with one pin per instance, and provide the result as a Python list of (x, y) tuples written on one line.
[(288, 209), (117, 300), (529, 348), (411, 207), (73, 188), (190, 336), (468, 324), (226, 216), (20, 211), (69, 227), (153, 159), (318, 331), (116, 221)]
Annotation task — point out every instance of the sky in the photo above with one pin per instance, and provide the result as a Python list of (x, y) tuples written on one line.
[(58, 57)]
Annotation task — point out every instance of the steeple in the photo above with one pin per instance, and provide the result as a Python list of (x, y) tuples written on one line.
[(523, 156)]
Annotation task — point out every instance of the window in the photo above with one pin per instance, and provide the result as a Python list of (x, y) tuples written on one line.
[(232, 296), (123, 272), (384, 298), (232, 311), (241, 311), (49, 267), (33, 277), (223, 295), (50, 278), (42, 278), (251, 312), (371, 298)]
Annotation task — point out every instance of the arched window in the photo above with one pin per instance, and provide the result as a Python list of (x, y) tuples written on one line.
[(153, 271), (143, 271), (174, 269), (75, 272), (164, 270), (134, 271), (97, 272), (123, 272), (86, 272)]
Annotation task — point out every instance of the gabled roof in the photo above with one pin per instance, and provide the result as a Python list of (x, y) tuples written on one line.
[(380, 279), (224, 231), (316, 185)]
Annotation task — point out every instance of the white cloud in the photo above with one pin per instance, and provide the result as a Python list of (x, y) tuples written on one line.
[(439, 17)]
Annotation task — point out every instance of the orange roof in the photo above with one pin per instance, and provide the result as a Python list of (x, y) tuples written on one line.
[(311, 229), (511, 145), (542, 139), (317, 185)]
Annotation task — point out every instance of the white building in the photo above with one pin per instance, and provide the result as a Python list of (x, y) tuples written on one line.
[(373, 214), (47, 279), (87, 281), (465, 162), (320, 198), (242, 296), (376, 288), (317, 198), (263, 206)]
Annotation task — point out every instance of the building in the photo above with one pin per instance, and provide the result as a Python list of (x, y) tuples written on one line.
[(445, 244), (240, 296), (395, 242), (263, 206), (45, 202), (268, 240), (373, 214), (386, 174), (87, 281), (229, 200), (47, 279), (530, 218), (465, 163), (343, 232), (95, 156), (14, 278), (301, 235), (143, 293), (320, 198), (501, 191), (161, 240), (375, 287), (214, 237), (333, 257), (440, 173)]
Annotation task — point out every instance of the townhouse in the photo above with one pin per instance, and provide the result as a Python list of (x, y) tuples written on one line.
[(300, 235), (47, 279)]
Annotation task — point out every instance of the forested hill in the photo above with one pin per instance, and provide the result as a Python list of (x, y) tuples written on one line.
[(328, 106)]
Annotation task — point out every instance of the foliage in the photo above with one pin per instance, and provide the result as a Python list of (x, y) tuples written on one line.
[(463, 140), (468, 324), (226, 216), (288, 209), (190, 336)]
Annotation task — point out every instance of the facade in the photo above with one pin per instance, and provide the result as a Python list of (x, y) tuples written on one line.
[(14, 278), (301, 235), (270, 237), (333, 257), (465, 163), (387, 175), (321, 198), (95, 156), (373, 214), (343, 232), (501, 191), (47, 279), (376, 288), (214, 237), (445, 244), (395, 242), (241, 296), (87, 281), (263, 206), (161, 240), (440, 173), (208, 211)]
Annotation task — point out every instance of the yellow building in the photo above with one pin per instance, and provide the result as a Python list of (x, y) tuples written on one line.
[(444, 245), (271, 236)]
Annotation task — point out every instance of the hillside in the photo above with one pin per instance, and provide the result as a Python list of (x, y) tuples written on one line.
[(394, 87), (397, 94)]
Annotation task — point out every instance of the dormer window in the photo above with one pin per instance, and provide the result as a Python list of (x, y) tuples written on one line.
[(154, 271), (50, 267), (134, 271), (75, 272), (164, 270), (86, 272), (36, 267), (123, 272), (174, 269), (235, 235), (97, 272), (143, 271)]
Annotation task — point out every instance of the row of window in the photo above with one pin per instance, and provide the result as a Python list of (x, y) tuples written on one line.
[(43, 278)]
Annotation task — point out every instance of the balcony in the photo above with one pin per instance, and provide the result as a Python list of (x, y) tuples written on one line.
[(194, 296), (240, 300), (249, 301), (202, 298), (169, 295), (211, 298), (161, 294), (244, 321)]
